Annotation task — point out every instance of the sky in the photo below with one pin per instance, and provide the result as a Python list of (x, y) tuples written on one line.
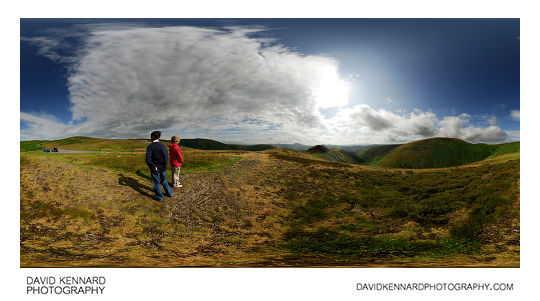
[(310, 81)]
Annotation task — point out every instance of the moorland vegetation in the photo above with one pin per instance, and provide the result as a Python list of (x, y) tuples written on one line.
[(275, 207)]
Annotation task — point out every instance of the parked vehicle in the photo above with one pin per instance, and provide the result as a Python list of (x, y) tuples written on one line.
[(54, 150), (46, 151)]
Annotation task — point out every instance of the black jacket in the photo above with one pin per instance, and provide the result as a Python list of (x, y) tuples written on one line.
[(156, 155)]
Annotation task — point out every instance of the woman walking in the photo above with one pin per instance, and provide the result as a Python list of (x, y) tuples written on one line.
[(176, 159)]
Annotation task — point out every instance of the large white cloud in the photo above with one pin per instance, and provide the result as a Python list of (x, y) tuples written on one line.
[(133, 80), (222, 84)]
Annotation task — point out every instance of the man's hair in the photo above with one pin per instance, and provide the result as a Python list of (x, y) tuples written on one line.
[(155, 135), (175, 139)]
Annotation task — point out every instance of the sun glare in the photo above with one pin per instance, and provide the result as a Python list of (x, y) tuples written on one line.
[(330, 91)]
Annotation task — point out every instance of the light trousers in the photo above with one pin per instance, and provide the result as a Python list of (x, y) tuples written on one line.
[(175, 176)]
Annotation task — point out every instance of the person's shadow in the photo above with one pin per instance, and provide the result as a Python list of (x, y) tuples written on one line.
[(133, 183)]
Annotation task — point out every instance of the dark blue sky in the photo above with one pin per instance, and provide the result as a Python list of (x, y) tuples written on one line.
[(446, 66)]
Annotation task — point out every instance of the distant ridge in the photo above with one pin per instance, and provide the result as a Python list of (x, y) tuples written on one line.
[(208, 144), (294, 146), (317, 149)]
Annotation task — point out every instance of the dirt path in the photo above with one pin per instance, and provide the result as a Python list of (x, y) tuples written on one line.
[(233, 203)]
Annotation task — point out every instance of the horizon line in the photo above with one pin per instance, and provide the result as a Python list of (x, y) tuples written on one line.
[(240, 143)]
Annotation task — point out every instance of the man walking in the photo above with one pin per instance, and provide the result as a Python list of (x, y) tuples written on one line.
[(157, 159)]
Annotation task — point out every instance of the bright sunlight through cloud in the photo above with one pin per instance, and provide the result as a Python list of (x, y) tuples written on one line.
[(330, 90)]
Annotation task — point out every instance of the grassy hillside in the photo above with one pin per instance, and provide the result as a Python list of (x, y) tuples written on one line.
[(503, 149), (339, 155), (334, 154), (98, 144), (272, 208), (375, 154), (428, 153), (436, 152), (32, 145), (361, 212)]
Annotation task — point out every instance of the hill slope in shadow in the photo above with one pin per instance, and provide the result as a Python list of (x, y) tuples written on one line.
[(208, 144), (332, 154), (373, 155)]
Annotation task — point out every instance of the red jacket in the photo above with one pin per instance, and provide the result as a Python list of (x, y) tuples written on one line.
[(175, 155)]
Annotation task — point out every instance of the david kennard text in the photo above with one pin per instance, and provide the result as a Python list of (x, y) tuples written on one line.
[(65, 285), (67, 280)]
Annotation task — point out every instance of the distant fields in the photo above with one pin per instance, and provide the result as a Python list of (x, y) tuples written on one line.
[(271, 208)]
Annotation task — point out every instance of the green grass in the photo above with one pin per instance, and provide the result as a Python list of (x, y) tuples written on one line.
[(428, 153), (97, 144), (131, 145), (373, 155), (503, 149), (75, 140), (32, 145), (435, 153), (332, 243), (135, 163), (365, 212)]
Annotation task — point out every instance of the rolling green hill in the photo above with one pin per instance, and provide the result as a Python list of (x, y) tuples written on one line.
[(428, 153), (503, 149), (436, 152), (31, 145), (373, 155)]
